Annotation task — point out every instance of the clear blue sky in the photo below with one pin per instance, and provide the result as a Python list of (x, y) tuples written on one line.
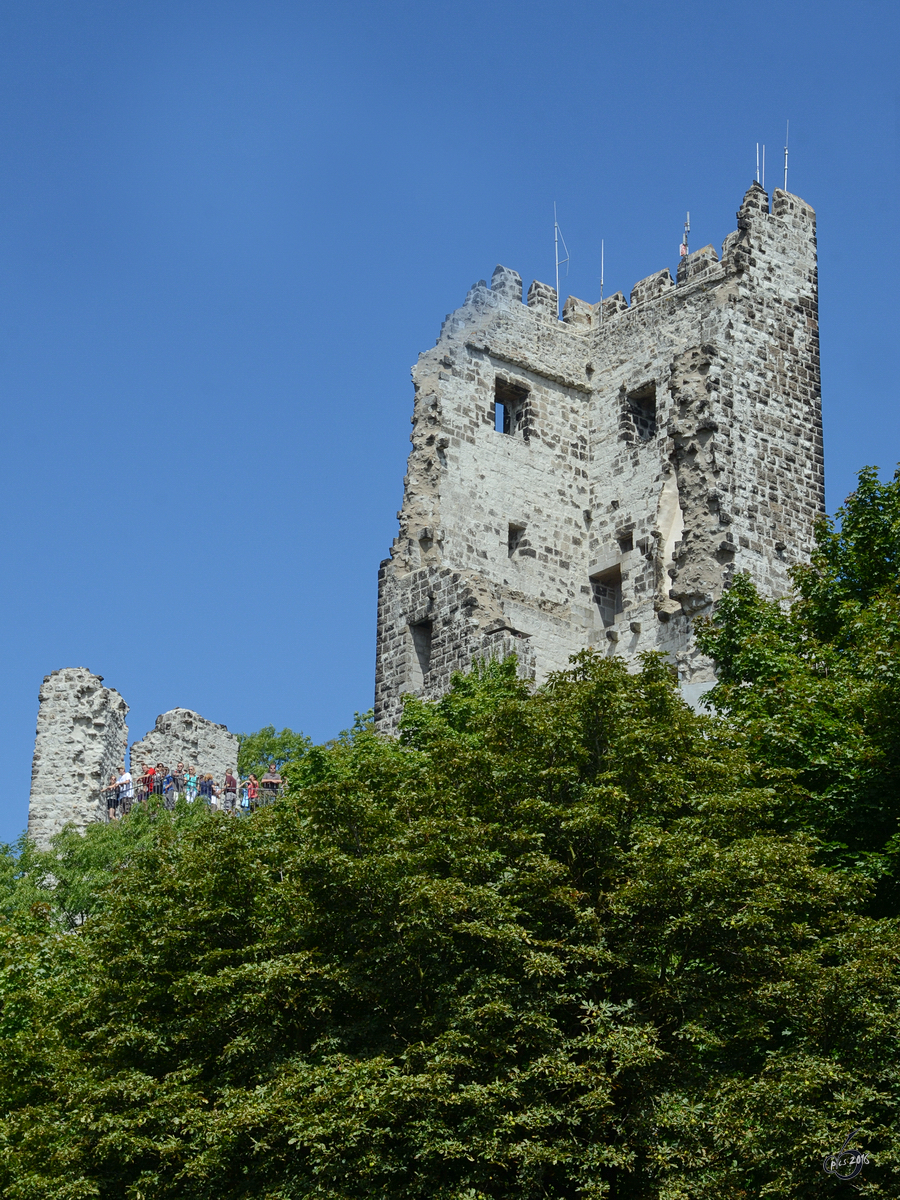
[(228, 228)]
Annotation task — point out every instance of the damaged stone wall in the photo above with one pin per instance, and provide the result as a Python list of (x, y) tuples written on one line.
[(184, 736), (80, 741), (598, 480)]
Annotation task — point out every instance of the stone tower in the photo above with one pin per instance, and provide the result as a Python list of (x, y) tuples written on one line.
[(597, 480), (81, 740)]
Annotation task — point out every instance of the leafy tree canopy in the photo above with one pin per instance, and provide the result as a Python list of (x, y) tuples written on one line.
[(568, 944), (258, 750), (816, 687)]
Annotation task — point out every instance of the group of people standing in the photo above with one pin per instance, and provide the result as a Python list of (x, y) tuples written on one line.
[(233, 794)]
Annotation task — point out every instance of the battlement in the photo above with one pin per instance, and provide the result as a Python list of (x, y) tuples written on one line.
[(794, 214), (597, 479)]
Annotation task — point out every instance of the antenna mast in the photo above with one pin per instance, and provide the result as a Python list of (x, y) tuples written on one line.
[(786, 132), (683, 248), (557, 238), (601, 281), (757, 162), (764, 167)]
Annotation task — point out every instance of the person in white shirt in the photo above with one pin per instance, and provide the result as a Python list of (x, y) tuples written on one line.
[(124, 792)]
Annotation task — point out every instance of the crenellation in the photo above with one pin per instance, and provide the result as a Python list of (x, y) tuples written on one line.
[(652, 288), (696, 264), (507, 283), (543, 299)]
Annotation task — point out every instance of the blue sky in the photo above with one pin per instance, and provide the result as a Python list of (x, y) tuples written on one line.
[(227, 229)]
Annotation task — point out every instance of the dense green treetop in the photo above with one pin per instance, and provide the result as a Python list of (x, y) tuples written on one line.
[(558, 945), (576, 942), (816, 686), (258, 750)]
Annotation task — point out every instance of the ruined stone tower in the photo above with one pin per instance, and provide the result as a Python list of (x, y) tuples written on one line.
[(81, 740), (597, 480)]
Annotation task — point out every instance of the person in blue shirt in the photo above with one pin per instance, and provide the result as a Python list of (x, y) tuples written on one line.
[(169, 790), (208, 789)]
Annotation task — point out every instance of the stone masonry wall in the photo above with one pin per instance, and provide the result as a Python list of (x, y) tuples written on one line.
[(598, 480), (184, 736), (80, 741)]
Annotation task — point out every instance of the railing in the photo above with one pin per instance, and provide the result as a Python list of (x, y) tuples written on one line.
[(116, 805)]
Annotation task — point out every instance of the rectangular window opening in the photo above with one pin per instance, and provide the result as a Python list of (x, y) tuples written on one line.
[(607, 591), (420, 663), (626, 542), (642, 409), (514, 539), (510, 408)]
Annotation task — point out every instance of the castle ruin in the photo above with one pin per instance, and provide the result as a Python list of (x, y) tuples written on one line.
[(81, 741), (597, 480)]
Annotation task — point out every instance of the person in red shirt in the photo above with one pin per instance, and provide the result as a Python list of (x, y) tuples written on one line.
[(147, 781)]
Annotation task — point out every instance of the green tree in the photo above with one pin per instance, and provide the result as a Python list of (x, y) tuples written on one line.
[(70, 879), (567, 944), (258, 750), (816, 686)]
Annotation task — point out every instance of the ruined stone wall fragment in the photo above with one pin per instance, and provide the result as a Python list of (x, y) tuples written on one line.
[(80, 742)]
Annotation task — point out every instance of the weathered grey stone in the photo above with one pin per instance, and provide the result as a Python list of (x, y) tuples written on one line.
[(81, 740), (184, 736), (648, 453)]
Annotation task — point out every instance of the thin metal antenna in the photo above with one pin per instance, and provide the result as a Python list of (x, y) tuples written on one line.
[(757, 162), (786, 132), (557, 237), (764, 167), (601, 281), (683, 248)]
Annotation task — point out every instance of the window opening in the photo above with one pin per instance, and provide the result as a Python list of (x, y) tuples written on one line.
[(509, 408), (421, 653), (642, 408), (607, 590), (514, 538), (626, 542)]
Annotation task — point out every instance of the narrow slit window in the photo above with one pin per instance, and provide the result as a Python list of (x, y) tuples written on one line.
[(420, 657), (510, 408), (514, 539), (607, 593)]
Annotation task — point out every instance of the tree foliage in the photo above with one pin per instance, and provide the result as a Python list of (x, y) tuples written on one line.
[(564, 944), (258, 750), (816, 687)]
